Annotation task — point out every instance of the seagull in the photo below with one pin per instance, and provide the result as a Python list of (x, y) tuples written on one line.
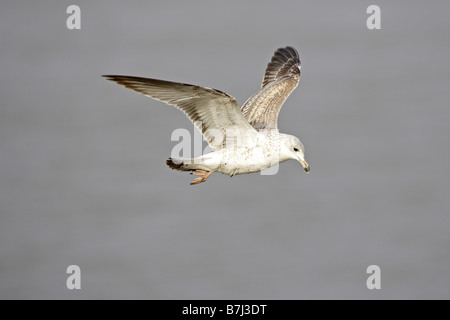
[(243, 140)]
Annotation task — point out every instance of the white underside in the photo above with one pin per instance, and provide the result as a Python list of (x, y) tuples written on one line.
[(256, 154)]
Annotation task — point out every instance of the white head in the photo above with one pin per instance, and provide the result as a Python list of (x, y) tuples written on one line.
[(292, 148)]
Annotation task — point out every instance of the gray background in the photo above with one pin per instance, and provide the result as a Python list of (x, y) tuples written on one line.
[(82, 161)]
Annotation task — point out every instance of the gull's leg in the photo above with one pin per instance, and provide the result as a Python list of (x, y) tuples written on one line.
[(203, 176), (199, 172)]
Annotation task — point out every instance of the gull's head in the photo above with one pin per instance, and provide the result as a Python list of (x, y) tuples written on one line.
[(294, 149)]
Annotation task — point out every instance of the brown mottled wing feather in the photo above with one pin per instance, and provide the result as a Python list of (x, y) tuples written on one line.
[(280, 79), (208, 109)]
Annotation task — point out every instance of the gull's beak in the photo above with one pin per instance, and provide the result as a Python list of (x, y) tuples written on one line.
[(305, 165)]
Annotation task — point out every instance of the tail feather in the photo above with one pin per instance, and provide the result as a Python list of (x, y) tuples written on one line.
[(177, 164)]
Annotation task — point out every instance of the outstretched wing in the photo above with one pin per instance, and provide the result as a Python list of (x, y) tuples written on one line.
[(280, 79), (214, 113)]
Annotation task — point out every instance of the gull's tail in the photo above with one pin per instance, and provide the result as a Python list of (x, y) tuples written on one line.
[(180, 165)]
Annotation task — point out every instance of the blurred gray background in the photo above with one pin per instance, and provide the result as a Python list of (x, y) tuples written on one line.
[(83, 178)]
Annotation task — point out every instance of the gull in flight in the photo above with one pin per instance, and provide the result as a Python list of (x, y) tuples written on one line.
[(243, 140)]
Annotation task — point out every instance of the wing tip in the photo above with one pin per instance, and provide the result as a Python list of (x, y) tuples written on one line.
[(284, 61), (112, 78), (288, 52)]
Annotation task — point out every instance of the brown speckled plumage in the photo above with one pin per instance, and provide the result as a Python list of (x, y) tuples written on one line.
[(280, 79)]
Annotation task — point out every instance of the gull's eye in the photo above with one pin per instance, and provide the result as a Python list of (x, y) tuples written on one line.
[(295, 149)]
